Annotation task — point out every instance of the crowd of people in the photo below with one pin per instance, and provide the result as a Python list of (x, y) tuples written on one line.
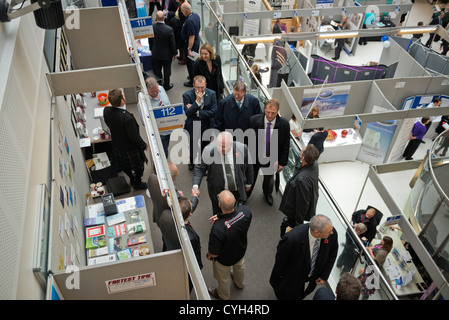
[(308, 244)]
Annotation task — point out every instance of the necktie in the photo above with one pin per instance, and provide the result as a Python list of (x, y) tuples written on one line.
[(314, 255), (239, 104), (229, 175), (267, 139)]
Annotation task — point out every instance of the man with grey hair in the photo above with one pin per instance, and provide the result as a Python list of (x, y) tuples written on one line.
[(227, 165), (158, 98), (234, 111), (305, 254)]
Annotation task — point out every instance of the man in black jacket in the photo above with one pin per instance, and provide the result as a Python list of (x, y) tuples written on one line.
[(227, 245), (273, 144), (301, 191), (306, 254), (234, 111), (128, 145), (163, 49)]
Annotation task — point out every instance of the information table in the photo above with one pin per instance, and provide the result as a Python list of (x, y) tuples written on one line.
[(399, 268), (125, 234), (339, 149)]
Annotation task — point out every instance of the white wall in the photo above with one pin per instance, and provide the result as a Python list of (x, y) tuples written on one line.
[(24, 136)]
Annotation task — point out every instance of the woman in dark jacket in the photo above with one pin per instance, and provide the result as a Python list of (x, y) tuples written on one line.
[(209, 66)]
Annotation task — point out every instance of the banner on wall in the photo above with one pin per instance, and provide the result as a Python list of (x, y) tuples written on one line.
[(376, 142), (407, 125), (251, 26), (331, 101)]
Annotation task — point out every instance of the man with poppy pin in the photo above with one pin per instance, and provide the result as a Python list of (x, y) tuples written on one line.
[(305, 254), (228, 167)]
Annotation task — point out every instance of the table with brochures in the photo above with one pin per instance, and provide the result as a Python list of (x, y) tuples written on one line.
[(120, 236)]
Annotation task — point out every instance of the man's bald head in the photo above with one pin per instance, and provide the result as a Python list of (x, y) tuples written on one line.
[(226, 201)]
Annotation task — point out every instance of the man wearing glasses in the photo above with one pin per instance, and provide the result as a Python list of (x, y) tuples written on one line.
[(200, 106)]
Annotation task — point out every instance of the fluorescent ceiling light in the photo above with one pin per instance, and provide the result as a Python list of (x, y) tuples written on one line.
[(338, 35), (417, 30)]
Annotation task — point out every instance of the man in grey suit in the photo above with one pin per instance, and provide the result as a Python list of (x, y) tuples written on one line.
[(228, 166)]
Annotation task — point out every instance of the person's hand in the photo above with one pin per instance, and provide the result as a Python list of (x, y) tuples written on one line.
[(213, 219), (195, 192), (199, 96), (247, 189), (174, 58), (181, 193), (188, 105)]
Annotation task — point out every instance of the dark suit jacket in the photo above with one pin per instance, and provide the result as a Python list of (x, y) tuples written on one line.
[(214, 79), (230, 117), (163, 45), (205, 114), (301, 194), (292, 263), (243, 171), (371, 224), (159, 201), (282, 126), (323, 294), (124, 129)]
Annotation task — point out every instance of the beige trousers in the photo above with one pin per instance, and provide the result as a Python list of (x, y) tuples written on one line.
[(223, 275)]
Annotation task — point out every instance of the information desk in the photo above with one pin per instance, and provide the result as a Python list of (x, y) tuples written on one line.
[(399, 268), (126, 234), (339, 149)]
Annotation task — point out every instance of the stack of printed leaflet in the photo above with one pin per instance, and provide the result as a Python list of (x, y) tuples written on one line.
[(116, 237)]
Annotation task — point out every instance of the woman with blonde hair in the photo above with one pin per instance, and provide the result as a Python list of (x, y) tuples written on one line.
[(313, 114), (209, 66)]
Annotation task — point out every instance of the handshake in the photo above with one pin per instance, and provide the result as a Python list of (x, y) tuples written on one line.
[(195, 192)]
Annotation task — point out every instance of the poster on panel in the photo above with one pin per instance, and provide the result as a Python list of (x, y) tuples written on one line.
[(331, 101)]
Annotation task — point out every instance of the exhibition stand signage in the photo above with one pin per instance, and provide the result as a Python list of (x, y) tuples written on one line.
[(142, 28)]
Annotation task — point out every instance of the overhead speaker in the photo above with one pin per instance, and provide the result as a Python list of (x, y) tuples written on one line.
[(50, 16)]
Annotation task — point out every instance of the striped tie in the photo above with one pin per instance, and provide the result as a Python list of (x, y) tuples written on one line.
[(314, 255)]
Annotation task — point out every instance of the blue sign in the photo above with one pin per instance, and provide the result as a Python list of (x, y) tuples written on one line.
[(142, 27), (168, 111), (169, 117)]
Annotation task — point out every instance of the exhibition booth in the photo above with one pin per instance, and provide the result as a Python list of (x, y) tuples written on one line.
[(110, 256), (99, 239)]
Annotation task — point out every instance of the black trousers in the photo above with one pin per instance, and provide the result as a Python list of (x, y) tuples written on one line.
[(267, 185), (162, 70), (411, 148), (339, 47)]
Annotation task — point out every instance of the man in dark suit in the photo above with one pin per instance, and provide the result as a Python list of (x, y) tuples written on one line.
[(273, 144), (163, 49), (306, 254), (368, 218), (348, 288), (200, 106), (228, 167), (128, 145), (234, 111), (301, 191), (190, 34)]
